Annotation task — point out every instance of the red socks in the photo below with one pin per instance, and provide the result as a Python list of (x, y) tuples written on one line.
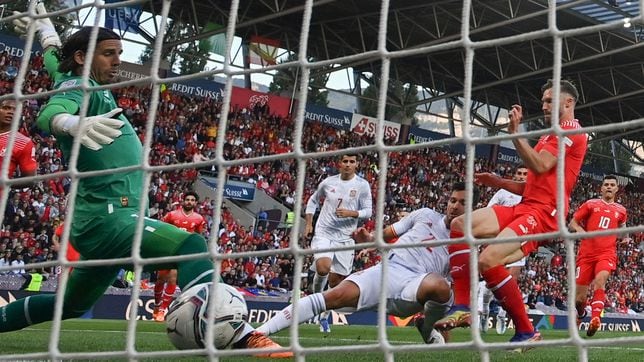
[(459, 262), (506, 290), (158, 294), (168, 295), (598, 302)]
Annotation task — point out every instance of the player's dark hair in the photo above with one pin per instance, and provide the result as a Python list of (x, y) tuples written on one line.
[(80, 41), (609, 177), (566, 86), (520, 167), (476, 193), (191, 193), (356, 155)]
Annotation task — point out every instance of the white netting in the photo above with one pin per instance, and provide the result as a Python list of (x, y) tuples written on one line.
[(301, 157)]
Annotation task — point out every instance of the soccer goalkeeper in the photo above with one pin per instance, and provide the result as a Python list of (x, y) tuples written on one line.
[(106, 206)]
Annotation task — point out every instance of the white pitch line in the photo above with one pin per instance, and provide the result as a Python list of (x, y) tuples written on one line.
[(311, 338)]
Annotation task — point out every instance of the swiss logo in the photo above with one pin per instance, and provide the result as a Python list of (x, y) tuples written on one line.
[(361, 127)]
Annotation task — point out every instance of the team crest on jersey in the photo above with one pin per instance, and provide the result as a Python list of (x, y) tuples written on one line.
[(68, 84), (616, 214), (124, 201), (3, 151), (353, 193), (567, 141), (532, 221)]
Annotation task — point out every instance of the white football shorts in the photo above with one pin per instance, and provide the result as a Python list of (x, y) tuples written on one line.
[(402, 287), (341, 261)]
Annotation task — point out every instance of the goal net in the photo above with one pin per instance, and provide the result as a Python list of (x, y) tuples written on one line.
[(421, 91)]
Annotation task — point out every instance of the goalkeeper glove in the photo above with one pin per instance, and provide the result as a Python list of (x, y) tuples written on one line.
[(93, 131), (44, 27)]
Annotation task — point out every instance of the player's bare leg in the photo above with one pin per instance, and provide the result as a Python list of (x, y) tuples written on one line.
[(434, 294), (335, 279), (322, 270)]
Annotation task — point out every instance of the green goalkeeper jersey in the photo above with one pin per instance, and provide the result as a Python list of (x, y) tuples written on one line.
[(96, 194)]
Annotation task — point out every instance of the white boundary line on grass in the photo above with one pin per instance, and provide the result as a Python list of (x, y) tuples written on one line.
[(307, 338)]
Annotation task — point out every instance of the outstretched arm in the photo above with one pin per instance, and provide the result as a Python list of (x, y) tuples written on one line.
[(492, 180), (94, 131), (362, 235), (47, 35)]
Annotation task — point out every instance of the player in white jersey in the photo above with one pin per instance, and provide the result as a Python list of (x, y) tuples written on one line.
[(347, 198), (504, 198), (416, 279)]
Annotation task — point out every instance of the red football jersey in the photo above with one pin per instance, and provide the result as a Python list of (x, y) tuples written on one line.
[(23, 154), (595, 215), (193, 223), (542, 188), (72, 254)]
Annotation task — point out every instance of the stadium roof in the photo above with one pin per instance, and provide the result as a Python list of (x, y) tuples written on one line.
[(512, 59)]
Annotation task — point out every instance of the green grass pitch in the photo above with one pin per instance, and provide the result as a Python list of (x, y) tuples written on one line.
[(107, 336)]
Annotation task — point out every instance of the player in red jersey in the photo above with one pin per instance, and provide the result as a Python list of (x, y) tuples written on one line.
[(536, 213), (72, 254), (23, 154), (597, 256), (187, 219)]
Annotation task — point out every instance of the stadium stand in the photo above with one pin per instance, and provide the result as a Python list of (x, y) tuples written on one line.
[(186, 131)]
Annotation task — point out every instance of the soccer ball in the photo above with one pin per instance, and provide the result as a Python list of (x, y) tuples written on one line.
[(187, 317)]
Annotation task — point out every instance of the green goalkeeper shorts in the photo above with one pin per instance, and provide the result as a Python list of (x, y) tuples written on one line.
[(112, 236)]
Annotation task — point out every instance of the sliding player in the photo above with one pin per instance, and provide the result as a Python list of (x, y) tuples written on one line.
[(416, 276)]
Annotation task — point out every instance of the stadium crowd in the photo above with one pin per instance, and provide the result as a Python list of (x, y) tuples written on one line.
[(185, 131)]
